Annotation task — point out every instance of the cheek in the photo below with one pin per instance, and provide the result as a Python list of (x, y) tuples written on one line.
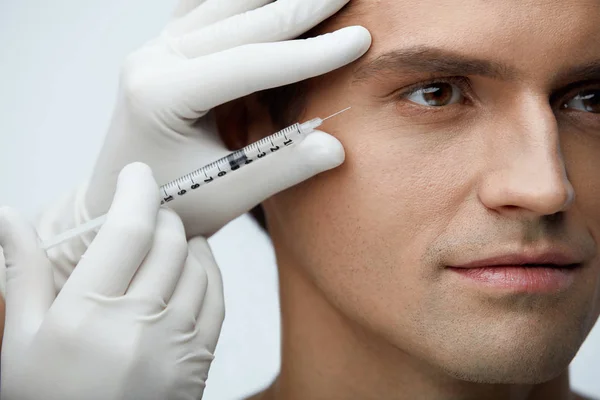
[(582, 160), (581, 153), (363, 228)]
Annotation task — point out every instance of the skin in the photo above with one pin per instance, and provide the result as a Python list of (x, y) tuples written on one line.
[(369, 309)]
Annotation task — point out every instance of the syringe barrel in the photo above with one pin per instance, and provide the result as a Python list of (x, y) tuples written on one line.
[(215, 170), (234, 161)]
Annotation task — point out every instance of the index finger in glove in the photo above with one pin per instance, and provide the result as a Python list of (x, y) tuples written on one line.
[(123, 242), (247, 69)]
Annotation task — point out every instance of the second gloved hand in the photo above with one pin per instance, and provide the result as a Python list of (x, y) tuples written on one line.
[(213, 53), (138, 319)]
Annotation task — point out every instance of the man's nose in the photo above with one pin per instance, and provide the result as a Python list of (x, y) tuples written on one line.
[(527, 175)]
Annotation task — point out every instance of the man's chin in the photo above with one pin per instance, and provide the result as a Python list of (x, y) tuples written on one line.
[(533, 365), (503, 342), (515, 376)]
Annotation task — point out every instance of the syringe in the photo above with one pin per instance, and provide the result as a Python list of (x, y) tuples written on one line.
[(211, 172)]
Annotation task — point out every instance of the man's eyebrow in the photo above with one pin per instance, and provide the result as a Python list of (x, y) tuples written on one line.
[(432, 60)]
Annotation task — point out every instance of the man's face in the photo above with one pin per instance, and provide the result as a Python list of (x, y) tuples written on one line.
[(474, 133)]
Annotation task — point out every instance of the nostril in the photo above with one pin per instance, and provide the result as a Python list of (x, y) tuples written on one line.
[(510, 208)]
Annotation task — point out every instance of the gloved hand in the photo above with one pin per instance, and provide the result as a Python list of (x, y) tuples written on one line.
[(219, 51), (138, 319)]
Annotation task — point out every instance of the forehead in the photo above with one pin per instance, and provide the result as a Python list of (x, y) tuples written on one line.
[(532, 33), (463, 10)]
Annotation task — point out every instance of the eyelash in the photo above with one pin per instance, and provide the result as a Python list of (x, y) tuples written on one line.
[(563, 96), (557, 100), (463, 83)]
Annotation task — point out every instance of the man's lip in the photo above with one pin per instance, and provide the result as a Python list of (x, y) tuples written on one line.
[(550, 259)]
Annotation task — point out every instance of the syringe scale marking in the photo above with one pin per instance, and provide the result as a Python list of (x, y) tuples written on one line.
[(207, 174)]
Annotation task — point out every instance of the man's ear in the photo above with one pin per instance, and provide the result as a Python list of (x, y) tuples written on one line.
[(242, 121)]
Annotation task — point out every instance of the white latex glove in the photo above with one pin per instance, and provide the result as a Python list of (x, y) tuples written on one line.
[(138, 319), (219, 51)]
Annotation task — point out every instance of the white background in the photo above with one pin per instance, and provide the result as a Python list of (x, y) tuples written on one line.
[(59, 65)]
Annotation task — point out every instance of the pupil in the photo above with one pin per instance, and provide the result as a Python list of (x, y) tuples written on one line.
[(438, 95)]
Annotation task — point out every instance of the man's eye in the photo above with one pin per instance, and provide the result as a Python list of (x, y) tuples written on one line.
[(588, 100), (436, 95)]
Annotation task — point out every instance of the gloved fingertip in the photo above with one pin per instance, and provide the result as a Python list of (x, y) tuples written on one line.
[(351, 42), (134, 171), (322, 151), (15, 233), (9, 217), (136, 178), (358, 34), (136, 200)]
